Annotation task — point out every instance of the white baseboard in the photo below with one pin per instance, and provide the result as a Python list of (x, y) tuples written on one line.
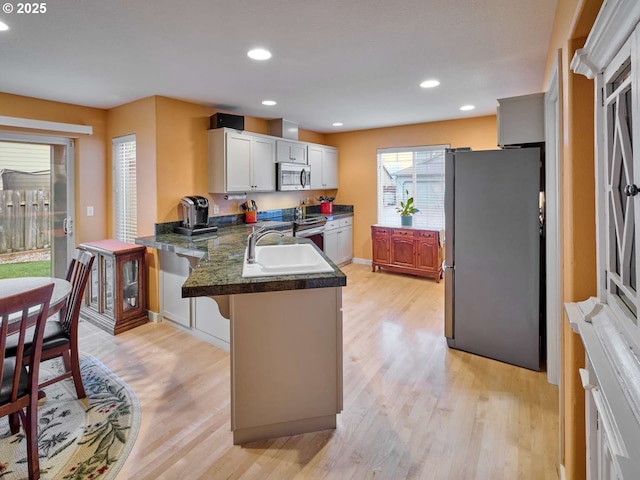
[(361, 261), (562, 474), (153, 316)]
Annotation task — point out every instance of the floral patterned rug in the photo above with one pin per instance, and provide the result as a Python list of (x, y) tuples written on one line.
[(77, 439)]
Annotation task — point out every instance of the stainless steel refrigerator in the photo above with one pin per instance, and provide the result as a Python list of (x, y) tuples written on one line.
[(492, 254)]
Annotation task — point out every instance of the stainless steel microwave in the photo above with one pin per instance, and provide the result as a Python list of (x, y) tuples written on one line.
[(293, 176)]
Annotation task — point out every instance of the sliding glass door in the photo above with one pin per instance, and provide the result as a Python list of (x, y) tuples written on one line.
[(36, 205)]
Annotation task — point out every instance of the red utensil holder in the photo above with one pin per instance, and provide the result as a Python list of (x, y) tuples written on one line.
[(326, 207), (250, 217)]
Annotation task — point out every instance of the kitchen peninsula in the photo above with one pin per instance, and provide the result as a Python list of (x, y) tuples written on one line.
[(286, 332)]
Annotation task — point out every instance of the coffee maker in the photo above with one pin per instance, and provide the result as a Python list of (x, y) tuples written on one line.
[(195, 216)]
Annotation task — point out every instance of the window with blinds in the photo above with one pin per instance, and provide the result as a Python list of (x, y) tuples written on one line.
[(124, 188), (416, 172)]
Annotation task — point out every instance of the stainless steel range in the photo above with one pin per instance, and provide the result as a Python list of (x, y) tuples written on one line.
[(311, 228)]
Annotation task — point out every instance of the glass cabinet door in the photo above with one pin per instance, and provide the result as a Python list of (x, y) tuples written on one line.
[(94, 286), (108, 284), (129, 284)]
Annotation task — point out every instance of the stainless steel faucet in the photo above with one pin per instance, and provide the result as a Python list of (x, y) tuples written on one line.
[(254, 237)]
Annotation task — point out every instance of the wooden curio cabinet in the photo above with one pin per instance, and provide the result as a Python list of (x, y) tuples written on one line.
[(407, 250), (115, 298)]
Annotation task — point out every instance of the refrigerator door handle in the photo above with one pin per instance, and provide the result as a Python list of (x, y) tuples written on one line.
[(449, 305)]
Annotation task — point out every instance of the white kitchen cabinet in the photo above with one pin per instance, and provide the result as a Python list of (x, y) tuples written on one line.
[(204, 317), (241, 162), (174, 272), (338, 240), (324, 166), (289, 151), (521, 119)]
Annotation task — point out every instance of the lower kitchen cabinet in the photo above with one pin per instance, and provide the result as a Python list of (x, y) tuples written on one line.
[(406, 250), (205, 317), (338, 240)]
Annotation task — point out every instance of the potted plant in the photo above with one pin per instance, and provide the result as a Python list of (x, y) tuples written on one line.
[(406, 210), (326, 204)]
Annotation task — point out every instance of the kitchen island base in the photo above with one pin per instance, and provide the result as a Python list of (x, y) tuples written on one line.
[(308, 425), (286, 362)]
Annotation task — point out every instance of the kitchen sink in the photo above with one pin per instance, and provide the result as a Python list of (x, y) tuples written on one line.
[(294, 259)]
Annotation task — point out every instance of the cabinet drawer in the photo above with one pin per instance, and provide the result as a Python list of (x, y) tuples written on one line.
[(345, 222), (380, 232), (430, 237), (403, 233), (332, 224)]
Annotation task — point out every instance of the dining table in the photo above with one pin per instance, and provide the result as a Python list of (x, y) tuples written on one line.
[(16, 286)]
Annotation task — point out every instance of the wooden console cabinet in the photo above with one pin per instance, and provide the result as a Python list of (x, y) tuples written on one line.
[(407, 250), (115, 298)]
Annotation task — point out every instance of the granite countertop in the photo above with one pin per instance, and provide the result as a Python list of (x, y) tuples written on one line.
[(221, 254)]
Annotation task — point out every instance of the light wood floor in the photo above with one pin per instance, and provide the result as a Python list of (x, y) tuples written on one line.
[(413, 409)]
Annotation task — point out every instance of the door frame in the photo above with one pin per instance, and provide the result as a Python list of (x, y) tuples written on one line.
[(553, 219), (59, 266)]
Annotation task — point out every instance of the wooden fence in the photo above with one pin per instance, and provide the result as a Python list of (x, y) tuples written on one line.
[(24, 220)]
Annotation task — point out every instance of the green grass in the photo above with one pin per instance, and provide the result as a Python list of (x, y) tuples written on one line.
[(25, 269)]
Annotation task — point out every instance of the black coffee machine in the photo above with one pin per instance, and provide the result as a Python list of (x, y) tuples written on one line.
[(195, 216)]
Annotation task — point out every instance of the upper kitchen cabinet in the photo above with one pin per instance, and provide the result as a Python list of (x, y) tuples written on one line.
[(521, 120), (290, 151), (324, 166), (241, 162)]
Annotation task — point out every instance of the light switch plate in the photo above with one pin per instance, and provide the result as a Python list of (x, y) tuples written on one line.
[(216, 209), (89, 211)]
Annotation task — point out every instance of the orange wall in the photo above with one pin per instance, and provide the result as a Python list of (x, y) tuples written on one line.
[(90, 159), (181, 155), (573, 20), (137, 118), (357, 153)]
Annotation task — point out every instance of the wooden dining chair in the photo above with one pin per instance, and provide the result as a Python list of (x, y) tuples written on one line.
[(18, 384), (61, 335)]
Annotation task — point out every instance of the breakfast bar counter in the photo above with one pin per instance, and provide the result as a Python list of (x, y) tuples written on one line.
[(284, 332), (218, 262)]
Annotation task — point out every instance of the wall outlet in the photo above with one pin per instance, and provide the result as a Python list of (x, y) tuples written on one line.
[(89, 211), (216, 209)]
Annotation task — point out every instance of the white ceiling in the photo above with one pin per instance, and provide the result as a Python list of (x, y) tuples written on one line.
[(359, 62)]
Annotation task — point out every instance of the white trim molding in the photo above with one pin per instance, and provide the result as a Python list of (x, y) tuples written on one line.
[(69, 128), (612, 381), (615, 22)]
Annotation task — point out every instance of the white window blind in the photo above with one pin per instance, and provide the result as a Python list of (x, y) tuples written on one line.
[(124, 188), (418, 170)]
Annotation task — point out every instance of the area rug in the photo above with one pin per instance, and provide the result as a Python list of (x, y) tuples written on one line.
[(77, 439)]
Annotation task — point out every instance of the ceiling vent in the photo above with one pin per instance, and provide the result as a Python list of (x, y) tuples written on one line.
[(283, 128)]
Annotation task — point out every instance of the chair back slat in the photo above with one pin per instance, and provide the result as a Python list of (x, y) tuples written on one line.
[(78, 274), (17, 312)]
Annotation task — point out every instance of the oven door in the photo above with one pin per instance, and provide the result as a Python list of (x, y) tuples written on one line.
[(316, 235)]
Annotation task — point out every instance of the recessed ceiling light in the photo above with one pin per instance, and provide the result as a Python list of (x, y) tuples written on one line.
[(3, 26), (466, 108), (269, 103), (259, 54), (337, 124), (430, 83)]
